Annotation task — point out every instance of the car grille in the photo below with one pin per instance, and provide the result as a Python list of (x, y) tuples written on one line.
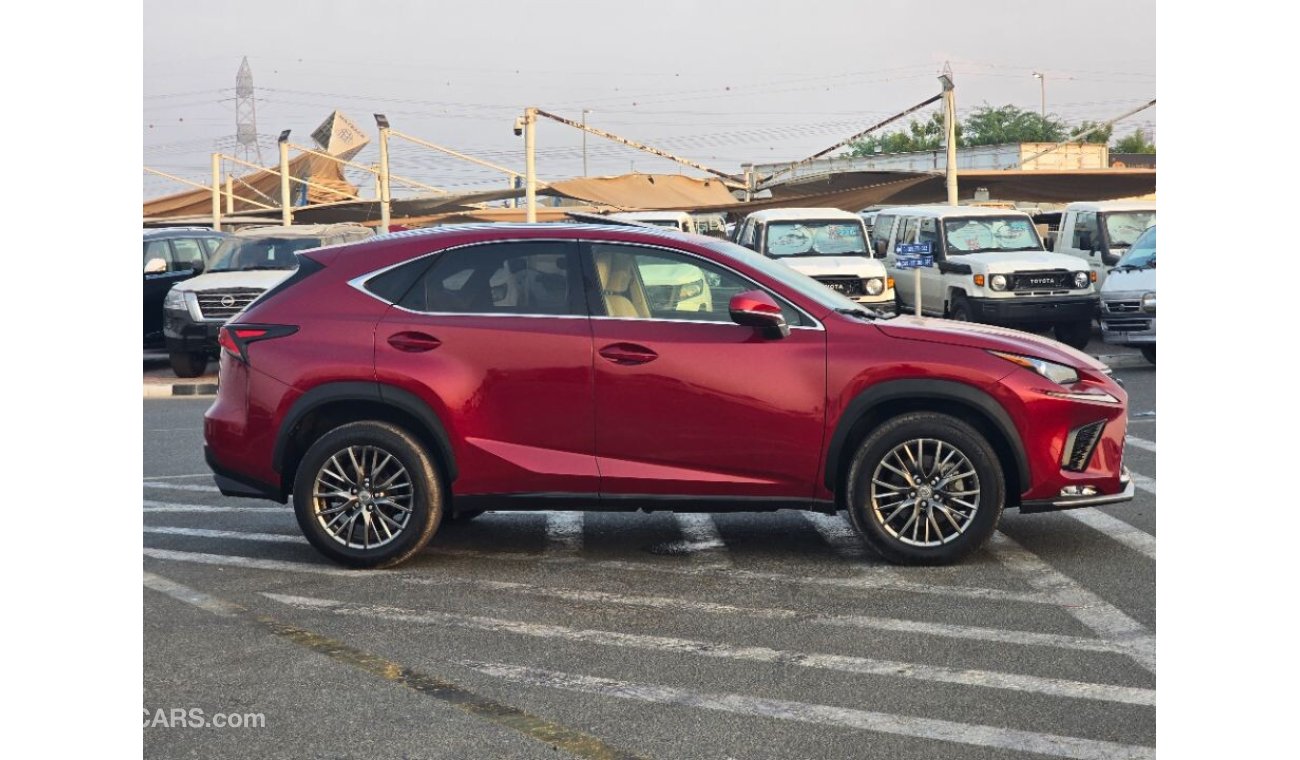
[(1122, 307), (1137, 324), (1080, 444), (224, 304), (849, 286), (1054, 279)]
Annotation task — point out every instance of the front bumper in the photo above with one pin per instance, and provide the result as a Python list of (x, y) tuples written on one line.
[(183, 335), (1075, 502), (1129, 330), (1041, 309)]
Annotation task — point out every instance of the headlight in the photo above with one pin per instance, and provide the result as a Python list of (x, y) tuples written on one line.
[(998, 282), (690, 290), (875, 286), (1057, 373), (1149, 303), (175, 300), (1081, 280)]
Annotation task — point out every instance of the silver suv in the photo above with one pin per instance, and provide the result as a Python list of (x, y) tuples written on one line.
[(247, 264)]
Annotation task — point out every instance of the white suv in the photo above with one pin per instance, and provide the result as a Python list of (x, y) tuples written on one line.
[(1101, 232), (827, 244), (245, 266), (989, 266)]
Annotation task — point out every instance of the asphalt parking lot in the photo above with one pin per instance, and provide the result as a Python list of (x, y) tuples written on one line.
[(646, 635)]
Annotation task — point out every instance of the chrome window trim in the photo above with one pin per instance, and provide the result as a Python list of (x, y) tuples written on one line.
[(360, 281)]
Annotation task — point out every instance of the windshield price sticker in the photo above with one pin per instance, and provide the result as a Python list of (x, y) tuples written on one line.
[(913, 255)]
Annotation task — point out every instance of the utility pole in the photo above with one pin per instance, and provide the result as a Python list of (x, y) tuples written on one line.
[(230, 194), (216, 192), (950, 132), (286, 202), (1042, 86), (585, 111), (530, 162), (385, 198)]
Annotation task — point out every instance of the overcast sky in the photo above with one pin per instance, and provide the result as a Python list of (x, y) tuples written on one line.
[(721, 82)]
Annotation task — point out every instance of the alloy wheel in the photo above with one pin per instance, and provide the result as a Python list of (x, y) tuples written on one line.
[(925, 492), (362, 497)]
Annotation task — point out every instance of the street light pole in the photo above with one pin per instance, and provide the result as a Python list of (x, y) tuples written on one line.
[(585, 111), (1042, 87), (530, 162), (950, 132), (286, 203)]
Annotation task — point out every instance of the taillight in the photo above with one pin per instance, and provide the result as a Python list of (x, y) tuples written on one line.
[(235, 338)]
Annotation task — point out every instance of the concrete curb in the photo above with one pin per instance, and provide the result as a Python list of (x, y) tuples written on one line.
[(168, 390)]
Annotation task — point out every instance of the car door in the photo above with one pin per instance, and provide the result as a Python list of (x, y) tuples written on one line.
[(687, 402), (496, 339), (158, 279)]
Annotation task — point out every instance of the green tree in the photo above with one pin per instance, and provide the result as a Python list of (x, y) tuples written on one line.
[(918, 135), (1100, 137), (987, 125), (1134, 143)]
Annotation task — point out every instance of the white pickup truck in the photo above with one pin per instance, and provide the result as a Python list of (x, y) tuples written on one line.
[(1101, 232)]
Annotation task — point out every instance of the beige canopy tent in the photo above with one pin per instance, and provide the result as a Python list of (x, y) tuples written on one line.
[(262, 187)]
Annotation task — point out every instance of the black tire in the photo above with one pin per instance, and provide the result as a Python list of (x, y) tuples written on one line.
[(426, 501), (1149, 353), (187, 364), (881, 534), (1074, 334), (960, 310)]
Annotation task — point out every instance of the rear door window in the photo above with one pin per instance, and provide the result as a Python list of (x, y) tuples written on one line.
[(534, 278)]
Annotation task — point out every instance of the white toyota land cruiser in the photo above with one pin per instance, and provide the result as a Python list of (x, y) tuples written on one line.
[(989, 266), (827, 244)]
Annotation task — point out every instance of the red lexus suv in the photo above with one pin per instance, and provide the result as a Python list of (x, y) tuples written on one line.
[(421, 376)]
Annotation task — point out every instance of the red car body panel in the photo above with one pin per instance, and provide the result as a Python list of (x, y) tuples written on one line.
[(570, 405)]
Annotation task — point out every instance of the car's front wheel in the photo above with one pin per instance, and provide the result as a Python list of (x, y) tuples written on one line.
[(367, 494), (925, 489), (188, 363)]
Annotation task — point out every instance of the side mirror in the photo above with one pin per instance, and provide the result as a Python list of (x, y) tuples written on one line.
[(754, 308), (155, 266)]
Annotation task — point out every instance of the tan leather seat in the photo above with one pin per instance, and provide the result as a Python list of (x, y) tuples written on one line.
[(619, 286)]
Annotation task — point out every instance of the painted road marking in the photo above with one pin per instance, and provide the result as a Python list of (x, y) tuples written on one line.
[(1101, 616), (179, 477), (825, 715), (556, 736), (282, 538), (564, 531), (1143, 482), (1142, 443), (168, 506), (181, 487), (840, 663), (276, 565), (701, 540), (1130, 535), (871, 622)]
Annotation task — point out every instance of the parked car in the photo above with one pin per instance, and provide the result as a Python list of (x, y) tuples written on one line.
[(1101, 232), (244, 267), (676, 220), (989, 266), (171, 255), (397, 382), (711, 224), (1128, 298), (828, 245)]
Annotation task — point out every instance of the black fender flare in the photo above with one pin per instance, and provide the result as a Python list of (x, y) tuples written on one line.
[(947, 390), (382, 393)]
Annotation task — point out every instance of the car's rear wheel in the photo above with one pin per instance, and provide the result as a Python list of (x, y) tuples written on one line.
[(188, 364), (1074, 334), (925, 489), (367, 494)]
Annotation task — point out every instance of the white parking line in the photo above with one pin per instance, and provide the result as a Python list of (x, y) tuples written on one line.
[(1102, 617), (858, 583), (969, 734), (179, 477), (181, 487), (168, 506), (190, 596), (564, 534), (1142, 443), (714, 649), (1129, 535), (870, 622), (281, 538), (701, 540), (1143, 482), (840, 536)]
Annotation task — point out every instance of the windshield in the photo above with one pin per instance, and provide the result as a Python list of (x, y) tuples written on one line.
[(1123, 227), (1143, 252), (810, 238), (801, 283), (243, 254), (991, 233)]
